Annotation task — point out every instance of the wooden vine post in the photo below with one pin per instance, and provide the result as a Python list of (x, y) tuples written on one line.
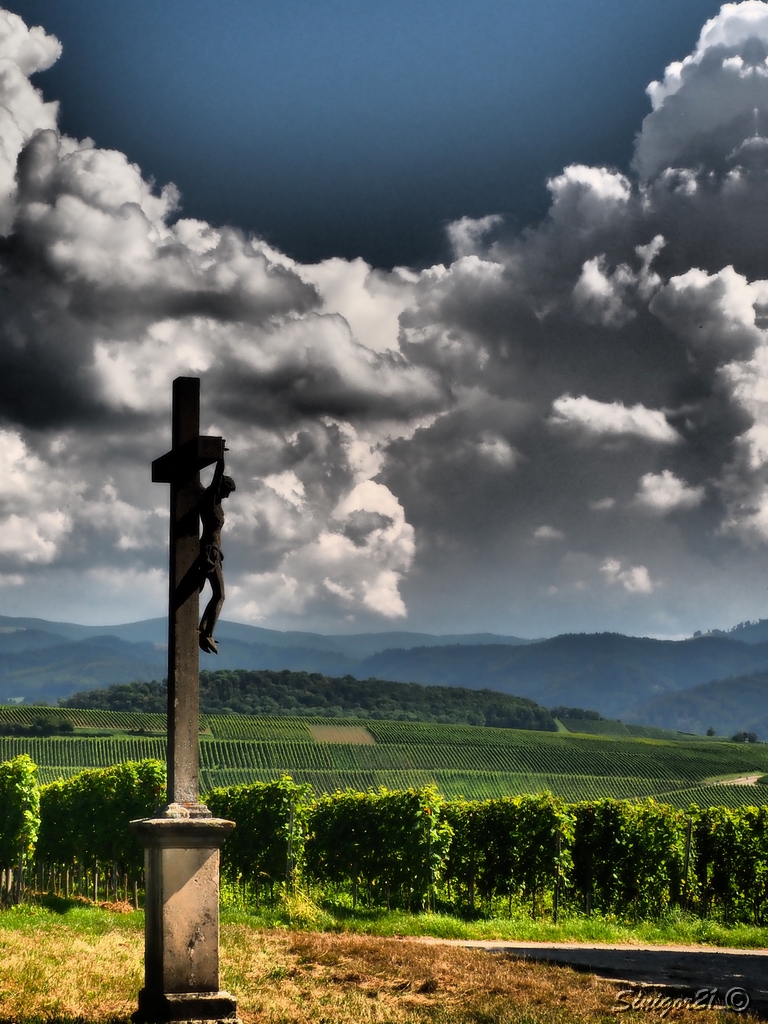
[(182, 841)]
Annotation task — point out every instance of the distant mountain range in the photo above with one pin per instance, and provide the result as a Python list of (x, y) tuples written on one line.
[(617, 675), (670, 684), (42, 660)]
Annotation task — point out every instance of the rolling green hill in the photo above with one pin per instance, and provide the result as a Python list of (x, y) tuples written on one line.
[(461, 760), (300, 693)]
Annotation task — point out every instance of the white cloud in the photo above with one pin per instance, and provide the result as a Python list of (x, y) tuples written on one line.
[(467, 234), (548, 533), (371, 301), (612, 418), (497, 450), (591, 193), (269, 594), (600, 296), (698, 106), (33, 539), (735, 24), (288, 486), (382, 596), (664, 492), (634, 579)]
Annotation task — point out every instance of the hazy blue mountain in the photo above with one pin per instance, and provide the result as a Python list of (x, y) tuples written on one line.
[(236, 654), (74, 657), (612, 673), (737, 704), (13, 639), (617, 675), (354, 645), (47, 673)]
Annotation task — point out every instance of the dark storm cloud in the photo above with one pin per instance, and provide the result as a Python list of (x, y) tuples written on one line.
[(567, 422)]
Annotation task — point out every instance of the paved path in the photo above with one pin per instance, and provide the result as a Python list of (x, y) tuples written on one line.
[(683, 970)]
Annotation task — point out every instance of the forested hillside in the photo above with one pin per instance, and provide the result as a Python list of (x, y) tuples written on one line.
[(302, 693), (727, 705)]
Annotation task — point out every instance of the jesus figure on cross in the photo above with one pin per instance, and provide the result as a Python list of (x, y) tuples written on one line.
[(211, 557)]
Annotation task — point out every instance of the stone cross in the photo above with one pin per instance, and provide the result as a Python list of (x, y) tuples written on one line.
[(180, 467), (182, 840)]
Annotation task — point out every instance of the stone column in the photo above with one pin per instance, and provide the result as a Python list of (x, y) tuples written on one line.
[(181, 958)]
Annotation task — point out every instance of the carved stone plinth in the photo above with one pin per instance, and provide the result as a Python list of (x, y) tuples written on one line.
[(181, 963)]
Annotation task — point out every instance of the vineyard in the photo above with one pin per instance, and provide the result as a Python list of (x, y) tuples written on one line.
[(407, 848), (470, 761), (610, 727)]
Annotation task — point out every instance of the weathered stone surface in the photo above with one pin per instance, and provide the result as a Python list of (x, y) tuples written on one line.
[(181, 962)]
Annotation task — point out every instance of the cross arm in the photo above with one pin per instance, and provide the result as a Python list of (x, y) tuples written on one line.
[(186, 460)]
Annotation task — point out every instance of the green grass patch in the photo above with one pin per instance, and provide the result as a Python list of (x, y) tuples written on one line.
[(677, 928), (301, 914), (53, 913)]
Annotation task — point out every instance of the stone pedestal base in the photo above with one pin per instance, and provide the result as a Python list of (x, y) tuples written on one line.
[(186, 1008), (181, 947)]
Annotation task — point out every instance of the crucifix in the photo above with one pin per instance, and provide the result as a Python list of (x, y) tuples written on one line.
[(180, 467), (182, 840)]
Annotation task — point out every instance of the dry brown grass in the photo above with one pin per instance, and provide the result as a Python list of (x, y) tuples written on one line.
[(340, 733), (54, 972)]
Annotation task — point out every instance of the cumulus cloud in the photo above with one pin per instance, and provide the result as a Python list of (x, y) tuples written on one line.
[(664, 492), (399, 437), (612, 418), (634, 579)]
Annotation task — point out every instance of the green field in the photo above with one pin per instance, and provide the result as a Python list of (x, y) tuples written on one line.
[(470, 761), (612, 727)]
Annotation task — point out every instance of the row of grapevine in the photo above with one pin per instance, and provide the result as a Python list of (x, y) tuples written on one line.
[(82, 751), (252, 727), (412, 849), (405, 847), (71, 836), (85, 718), (460, 760), (19, 823)]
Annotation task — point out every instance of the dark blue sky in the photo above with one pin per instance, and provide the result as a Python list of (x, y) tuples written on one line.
[(348, 128)]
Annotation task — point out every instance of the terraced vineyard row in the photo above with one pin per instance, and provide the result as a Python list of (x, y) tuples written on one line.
[(461, 760), (267, 730), (716, 796), (85, 718), (481, 785), (577, 756), (81, 751), (587, 727)]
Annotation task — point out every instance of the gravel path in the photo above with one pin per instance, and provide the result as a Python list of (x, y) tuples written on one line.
[(678, 970)]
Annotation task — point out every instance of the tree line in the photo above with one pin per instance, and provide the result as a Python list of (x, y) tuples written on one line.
[(265, 692)]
